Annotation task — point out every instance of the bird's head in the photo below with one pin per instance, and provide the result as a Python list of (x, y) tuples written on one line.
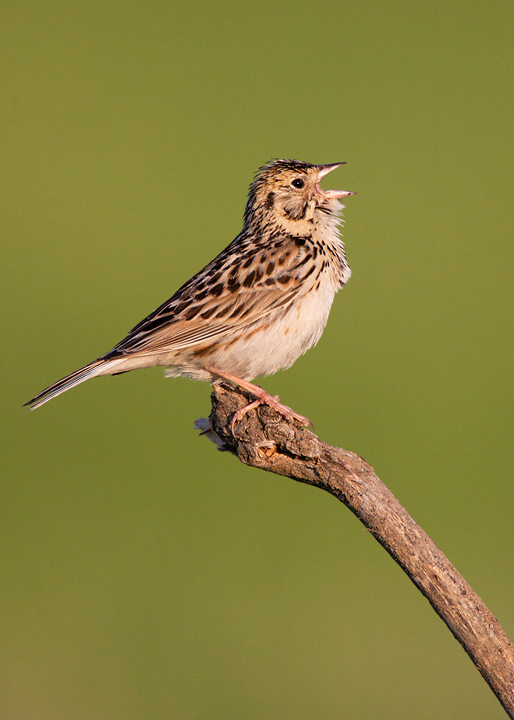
[(288, 193)]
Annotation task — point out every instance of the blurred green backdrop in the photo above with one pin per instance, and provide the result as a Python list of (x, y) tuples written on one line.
[(145, 575)]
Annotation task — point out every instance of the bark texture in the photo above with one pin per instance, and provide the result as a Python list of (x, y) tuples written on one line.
[(266, 440)]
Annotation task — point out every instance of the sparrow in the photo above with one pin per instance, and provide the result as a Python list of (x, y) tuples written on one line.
[(254, 309)]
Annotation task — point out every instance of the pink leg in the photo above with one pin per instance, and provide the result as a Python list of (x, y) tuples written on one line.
[(263, 398)]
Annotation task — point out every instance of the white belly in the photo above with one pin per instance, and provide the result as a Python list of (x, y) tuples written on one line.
[(275, 346)]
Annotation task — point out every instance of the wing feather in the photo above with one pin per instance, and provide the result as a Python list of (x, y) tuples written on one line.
[(223, 298)]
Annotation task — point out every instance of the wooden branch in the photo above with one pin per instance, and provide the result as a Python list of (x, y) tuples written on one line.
[(266, 440)]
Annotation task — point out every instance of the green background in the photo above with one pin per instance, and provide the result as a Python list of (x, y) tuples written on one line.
[(143, 574)]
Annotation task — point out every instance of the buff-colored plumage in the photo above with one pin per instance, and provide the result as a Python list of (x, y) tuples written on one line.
[(259, 305)]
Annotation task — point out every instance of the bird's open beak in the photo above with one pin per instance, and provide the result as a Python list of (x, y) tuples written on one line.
[(330, 194)]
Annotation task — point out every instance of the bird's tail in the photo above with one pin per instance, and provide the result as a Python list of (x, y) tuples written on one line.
[(97, 367)]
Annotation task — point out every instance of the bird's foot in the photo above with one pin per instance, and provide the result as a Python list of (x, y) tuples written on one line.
[(263, 398), (272, 401)]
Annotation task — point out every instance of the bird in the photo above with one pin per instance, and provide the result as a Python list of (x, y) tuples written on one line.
[(257, 306)]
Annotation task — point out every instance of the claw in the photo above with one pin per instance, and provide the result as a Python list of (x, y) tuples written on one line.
[(263, 398)]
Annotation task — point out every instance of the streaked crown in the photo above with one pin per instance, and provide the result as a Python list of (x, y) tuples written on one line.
[(288, 192)]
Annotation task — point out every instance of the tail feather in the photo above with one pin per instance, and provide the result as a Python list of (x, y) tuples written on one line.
[(75, 378)]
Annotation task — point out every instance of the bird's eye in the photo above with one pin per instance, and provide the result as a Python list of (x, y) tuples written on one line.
[(298, 183)]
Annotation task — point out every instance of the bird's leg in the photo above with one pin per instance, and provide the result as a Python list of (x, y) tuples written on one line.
[(263, 398)]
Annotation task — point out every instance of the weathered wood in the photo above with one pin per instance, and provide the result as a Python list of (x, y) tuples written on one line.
[(266, 440)]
